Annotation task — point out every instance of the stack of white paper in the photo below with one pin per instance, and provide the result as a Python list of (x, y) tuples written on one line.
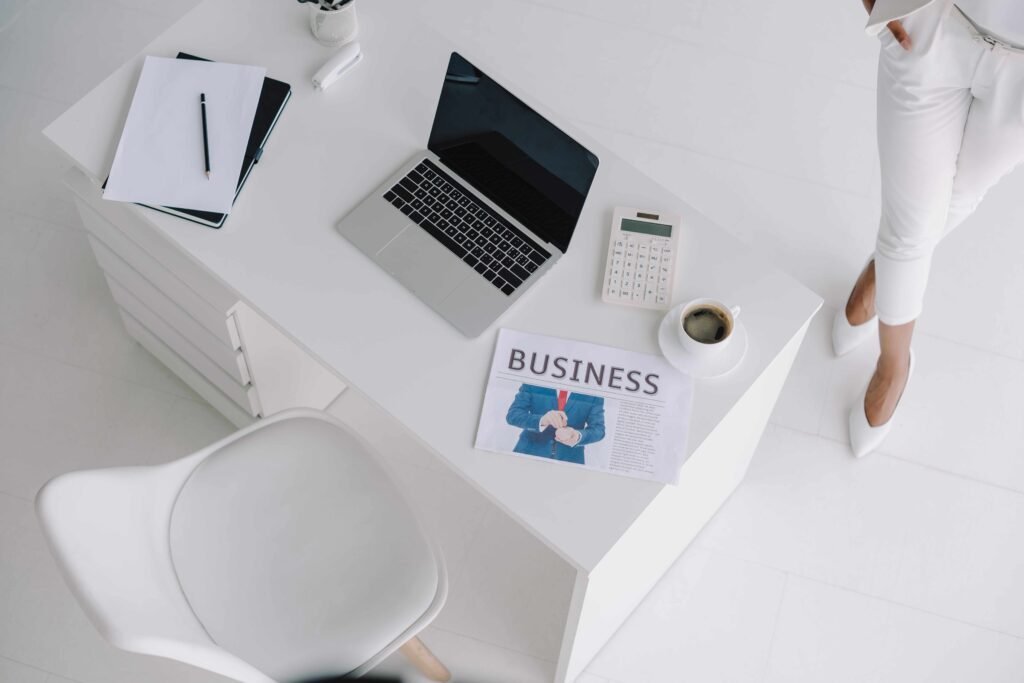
[(159, 159)]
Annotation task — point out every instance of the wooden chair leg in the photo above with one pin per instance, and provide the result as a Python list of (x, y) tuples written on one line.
[(425, 661)]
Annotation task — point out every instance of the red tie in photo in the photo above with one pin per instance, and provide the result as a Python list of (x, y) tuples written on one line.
[(562, 396)]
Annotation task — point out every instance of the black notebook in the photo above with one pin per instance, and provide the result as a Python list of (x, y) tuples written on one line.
[(273, 97)]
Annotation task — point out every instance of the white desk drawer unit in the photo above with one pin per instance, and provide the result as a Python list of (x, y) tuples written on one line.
[(211, 316), (134, 289), (189, 375), (125, 219), (195, 324), (242, 393)]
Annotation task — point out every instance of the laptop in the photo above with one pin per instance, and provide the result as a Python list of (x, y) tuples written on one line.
[(477, 218)]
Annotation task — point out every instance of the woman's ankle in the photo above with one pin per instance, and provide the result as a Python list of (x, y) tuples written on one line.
[(885, 390), (860, 306), (893, 365)]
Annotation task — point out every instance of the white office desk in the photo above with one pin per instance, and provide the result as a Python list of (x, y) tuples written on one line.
[(280, 255)]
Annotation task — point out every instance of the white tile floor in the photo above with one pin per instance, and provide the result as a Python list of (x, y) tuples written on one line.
[(903, 567)]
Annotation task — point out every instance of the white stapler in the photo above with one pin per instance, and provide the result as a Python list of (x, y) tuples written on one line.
[(335, 67)]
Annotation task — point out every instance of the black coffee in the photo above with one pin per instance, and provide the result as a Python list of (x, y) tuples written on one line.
[(707, 324)]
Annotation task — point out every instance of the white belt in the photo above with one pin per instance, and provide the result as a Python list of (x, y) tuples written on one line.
[(979, 34)]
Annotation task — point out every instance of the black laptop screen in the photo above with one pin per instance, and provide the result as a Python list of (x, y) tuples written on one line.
[(510, 153)]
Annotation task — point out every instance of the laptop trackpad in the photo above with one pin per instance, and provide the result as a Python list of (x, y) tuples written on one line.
[(422, 264)]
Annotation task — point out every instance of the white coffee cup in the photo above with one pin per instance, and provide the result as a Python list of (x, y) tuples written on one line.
[(707, 348)]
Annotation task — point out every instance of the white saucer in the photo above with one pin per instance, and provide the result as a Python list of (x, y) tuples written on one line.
[(700, 368)]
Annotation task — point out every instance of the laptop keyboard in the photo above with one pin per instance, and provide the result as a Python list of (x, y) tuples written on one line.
[(484, 240)]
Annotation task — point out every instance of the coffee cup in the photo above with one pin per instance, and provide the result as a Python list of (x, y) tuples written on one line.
[(706, 326)]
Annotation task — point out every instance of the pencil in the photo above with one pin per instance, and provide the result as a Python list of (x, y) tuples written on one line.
[(206, 142)]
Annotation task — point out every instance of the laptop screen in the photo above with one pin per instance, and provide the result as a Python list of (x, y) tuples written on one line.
[(510, 153)]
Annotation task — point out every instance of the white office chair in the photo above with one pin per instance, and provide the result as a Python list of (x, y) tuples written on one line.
[(282, 553)]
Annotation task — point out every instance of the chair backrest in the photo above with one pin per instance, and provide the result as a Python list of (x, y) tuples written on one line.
[(108, 531), (282, 552)]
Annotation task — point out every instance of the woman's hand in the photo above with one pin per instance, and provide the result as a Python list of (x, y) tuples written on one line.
[(895, 27)]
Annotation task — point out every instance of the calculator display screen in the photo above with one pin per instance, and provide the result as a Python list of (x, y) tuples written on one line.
[(658, 229)]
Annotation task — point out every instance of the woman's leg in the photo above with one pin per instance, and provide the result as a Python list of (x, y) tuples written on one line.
[(860, 306), (893, 367), (891, 372), (923, 103), (992, 145)]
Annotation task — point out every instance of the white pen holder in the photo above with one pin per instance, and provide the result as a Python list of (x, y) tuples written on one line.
[(334, 27)]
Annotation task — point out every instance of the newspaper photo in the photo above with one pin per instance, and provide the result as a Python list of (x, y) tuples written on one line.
[(589, 405)]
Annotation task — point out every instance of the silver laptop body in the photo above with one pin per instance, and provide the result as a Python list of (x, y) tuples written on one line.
[(450, 243)]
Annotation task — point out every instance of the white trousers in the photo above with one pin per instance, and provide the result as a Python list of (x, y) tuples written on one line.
[(950, 125)]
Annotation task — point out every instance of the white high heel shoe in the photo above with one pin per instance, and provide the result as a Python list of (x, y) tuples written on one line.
[(847, 337), (863, 437)]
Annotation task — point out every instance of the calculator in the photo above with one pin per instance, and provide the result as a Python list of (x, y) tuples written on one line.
[(642, 253)]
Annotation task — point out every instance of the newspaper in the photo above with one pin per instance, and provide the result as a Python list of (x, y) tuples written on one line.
[(593, 406)]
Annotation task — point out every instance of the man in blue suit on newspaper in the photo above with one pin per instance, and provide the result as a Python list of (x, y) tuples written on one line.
[(556, 424)]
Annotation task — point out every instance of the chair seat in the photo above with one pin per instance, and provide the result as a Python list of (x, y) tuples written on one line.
[(331, 593)]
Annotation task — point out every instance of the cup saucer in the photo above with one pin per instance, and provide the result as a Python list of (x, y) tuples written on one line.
[(700, 368)]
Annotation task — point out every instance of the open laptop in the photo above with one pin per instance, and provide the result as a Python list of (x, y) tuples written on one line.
[(473, 221)]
